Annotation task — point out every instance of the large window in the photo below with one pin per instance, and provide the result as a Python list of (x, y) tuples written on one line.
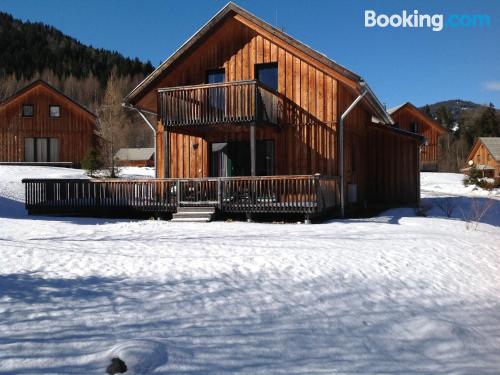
[(55, 111), (41, 149), (28, 110), (267, 74), (233, 159)]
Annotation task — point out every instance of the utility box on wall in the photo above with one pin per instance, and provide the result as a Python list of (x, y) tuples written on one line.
[(352, 193)]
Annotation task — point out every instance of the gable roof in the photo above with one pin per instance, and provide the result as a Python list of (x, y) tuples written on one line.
[(491, 143), (145, 153), (436, 125), (41, 82), (348, 77)]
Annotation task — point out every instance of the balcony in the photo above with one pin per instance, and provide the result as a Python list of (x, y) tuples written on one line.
[(237, 102)]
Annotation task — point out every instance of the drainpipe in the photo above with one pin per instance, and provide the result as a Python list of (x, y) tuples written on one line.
[(139, 112), (341, 150)]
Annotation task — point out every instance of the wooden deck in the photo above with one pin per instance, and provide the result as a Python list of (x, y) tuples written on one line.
[(307, 195)]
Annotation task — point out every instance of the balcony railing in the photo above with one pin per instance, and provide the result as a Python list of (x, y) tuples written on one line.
[(219, 103)]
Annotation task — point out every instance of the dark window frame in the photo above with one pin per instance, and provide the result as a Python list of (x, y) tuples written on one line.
[(55, 105), (215, 70), (32, 110), (267, 65), (258, 141), (414, 127), (35, 147)]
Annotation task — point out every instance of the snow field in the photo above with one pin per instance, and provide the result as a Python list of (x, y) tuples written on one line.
[(396, 293)]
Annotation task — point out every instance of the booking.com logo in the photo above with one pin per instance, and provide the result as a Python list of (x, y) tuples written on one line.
[(435, 22)]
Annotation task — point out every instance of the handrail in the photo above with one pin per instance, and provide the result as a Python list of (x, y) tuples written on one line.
[(209, 85), (233, 102)]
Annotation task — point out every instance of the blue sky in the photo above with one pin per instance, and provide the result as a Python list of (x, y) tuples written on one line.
[(417, 65)]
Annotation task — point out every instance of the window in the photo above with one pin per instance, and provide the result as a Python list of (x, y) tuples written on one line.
[(54, 111), (28, 110), (267, 74), (216, 76), (478, 157), (414, 127), (216, 97), (489, 157), (41, 149)]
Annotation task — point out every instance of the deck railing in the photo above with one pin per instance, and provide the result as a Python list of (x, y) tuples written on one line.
[(219, 103), (309, 195)]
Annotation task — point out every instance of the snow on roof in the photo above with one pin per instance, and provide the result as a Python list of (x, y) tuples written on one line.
[(135, 153), (394, 109), (493, 146)]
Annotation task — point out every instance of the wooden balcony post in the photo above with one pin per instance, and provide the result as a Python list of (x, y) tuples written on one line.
[(219, 192)]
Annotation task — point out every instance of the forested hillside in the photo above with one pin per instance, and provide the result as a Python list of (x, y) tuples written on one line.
[(466, 121), (27, 49)]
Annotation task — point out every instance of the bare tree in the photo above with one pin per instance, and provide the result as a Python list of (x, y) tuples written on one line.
[(478, 208), (110, 117)]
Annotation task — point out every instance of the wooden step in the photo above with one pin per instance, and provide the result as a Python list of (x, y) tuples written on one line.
[(193, 214), (190, 220)]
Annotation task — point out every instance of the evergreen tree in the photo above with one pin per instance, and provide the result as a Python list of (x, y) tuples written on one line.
[(428, 112), (444, 117), (91, 162)]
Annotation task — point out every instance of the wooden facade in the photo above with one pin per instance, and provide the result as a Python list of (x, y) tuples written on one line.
[(67, 136), (485, 156), (311, 94), (408, 117)]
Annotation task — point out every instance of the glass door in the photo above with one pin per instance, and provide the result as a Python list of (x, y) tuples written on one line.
[(231, 159)]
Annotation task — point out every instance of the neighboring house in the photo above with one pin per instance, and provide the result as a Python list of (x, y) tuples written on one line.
[(485, 156), (408, 117), (242, 98), (39, 124), (136, 157)]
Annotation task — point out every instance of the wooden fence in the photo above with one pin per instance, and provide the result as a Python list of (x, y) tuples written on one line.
[(308, 195)]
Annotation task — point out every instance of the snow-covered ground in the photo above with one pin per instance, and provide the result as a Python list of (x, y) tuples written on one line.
[(397, 293)]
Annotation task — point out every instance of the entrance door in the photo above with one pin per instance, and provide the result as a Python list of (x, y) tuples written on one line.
[(230, 159)]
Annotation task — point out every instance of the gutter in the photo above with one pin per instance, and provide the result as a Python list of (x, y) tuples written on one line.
[(153, 129)]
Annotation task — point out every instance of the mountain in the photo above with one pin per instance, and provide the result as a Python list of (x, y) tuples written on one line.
[(28, 49), (455, 108)]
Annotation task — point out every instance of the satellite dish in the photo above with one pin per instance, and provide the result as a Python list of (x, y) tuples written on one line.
[(471, 162)]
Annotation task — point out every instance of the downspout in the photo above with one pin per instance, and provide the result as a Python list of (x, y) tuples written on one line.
[(139, 112), (341, 150)]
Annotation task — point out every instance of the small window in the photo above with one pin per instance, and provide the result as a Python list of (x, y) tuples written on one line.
[(55, 111), (489, 157), (414, 127), (216, 76), (478, 158), (267, 74), (28, 110)]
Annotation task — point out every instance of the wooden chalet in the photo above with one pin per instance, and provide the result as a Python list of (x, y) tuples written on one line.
[(408, 117), (251, 121), (485, 157), (136, 157), (41, 125)]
